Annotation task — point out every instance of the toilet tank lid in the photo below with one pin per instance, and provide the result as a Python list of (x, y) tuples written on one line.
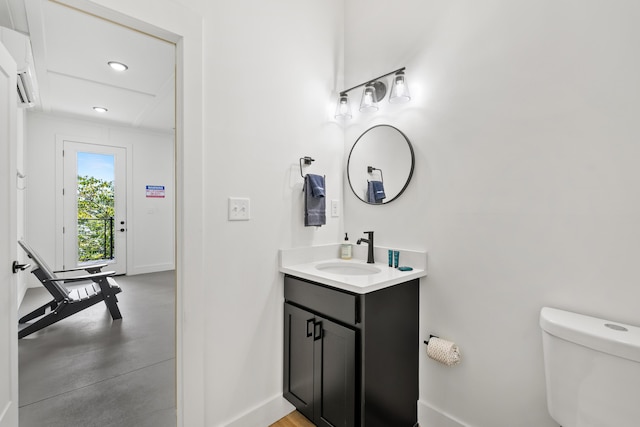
[(598, 334)]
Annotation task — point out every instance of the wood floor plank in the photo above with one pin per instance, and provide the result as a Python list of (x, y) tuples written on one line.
[(294, 419)]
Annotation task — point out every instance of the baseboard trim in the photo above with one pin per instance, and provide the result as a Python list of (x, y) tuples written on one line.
[(264, 414), (150, 268), (429, 415)]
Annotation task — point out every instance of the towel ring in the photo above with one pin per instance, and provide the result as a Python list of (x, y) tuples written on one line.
[(370, 169), (307, 162)]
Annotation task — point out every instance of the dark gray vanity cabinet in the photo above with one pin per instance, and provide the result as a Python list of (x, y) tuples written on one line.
[(351, 359)]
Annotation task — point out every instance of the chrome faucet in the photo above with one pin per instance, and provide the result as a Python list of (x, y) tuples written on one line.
[(369, 241)]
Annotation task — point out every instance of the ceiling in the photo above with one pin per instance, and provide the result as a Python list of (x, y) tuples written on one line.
[(71, 50)]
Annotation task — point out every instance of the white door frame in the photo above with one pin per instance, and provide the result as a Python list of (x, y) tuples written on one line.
[(9, 249), (171, 21)]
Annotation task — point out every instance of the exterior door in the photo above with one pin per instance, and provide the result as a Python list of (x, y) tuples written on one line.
[(94, 212), (8, 243)]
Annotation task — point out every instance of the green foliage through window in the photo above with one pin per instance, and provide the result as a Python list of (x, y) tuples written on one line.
[(95, 218)]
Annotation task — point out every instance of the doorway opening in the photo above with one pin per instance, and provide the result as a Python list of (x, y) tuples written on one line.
[(73, 252), (94, 205)]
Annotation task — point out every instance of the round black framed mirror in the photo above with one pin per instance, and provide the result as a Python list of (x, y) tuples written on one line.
[(380, 165)]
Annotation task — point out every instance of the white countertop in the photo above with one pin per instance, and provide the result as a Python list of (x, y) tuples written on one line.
[(303, 263)]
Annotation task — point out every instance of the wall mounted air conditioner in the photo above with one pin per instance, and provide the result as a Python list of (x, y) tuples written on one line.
[(19, 46)]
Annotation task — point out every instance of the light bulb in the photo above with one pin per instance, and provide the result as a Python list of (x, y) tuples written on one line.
[(369, 102), (399, 89)]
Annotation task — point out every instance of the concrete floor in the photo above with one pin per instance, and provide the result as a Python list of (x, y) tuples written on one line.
[(88, 370)]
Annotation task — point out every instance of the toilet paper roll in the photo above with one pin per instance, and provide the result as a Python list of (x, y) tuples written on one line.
[(443, 351)]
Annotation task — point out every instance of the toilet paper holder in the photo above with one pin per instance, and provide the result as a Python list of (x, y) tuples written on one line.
[(430, 336), (443, 351)]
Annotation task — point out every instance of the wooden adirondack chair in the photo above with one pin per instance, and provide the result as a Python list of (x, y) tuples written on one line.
[(65, 302)]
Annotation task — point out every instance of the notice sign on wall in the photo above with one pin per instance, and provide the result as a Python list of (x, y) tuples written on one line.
[(155, 191)]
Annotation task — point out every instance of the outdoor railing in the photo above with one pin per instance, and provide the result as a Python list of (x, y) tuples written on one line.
[(95, 239)]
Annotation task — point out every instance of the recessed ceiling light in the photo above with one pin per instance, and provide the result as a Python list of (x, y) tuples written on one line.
[(100, 109), (118, 66)]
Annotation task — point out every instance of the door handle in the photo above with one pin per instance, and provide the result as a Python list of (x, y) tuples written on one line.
[(16, 266), (309, 332), (317, 331)]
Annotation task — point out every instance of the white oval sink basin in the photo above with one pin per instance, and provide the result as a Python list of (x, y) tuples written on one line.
[(347, 268)]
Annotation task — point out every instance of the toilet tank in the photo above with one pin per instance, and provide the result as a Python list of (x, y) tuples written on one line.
[(592, 370)]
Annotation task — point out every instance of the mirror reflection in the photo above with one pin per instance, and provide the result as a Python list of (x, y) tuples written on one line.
[(380, 164)]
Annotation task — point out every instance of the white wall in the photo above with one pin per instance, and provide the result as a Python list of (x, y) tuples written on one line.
[(151, 232), (525, 193), (151, 221), (271, 74)]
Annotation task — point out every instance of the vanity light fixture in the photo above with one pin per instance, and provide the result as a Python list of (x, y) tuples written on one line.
[(343, 110), (374, 91), (100, 109), (118, 66)]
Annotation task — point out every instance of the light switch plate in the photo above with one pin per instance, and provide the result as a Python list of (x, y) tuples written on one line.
[(335, 208), (239, 209)]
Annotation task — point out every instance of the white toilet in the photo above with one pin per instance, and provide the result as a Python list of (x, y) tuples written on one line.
[(592, 369)]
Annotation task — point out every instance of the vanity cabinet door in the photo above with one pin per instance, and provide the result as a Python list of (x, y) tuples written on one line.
[(298, 358), (334, 379), (319, 368)]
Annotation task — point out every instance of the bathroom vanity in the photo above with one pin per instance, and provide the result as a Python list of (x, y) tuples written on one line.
[(351, 351)]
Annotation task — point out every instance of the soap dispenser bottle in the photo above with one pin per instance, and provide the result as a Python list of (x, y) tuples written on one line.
[(346, 248)]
